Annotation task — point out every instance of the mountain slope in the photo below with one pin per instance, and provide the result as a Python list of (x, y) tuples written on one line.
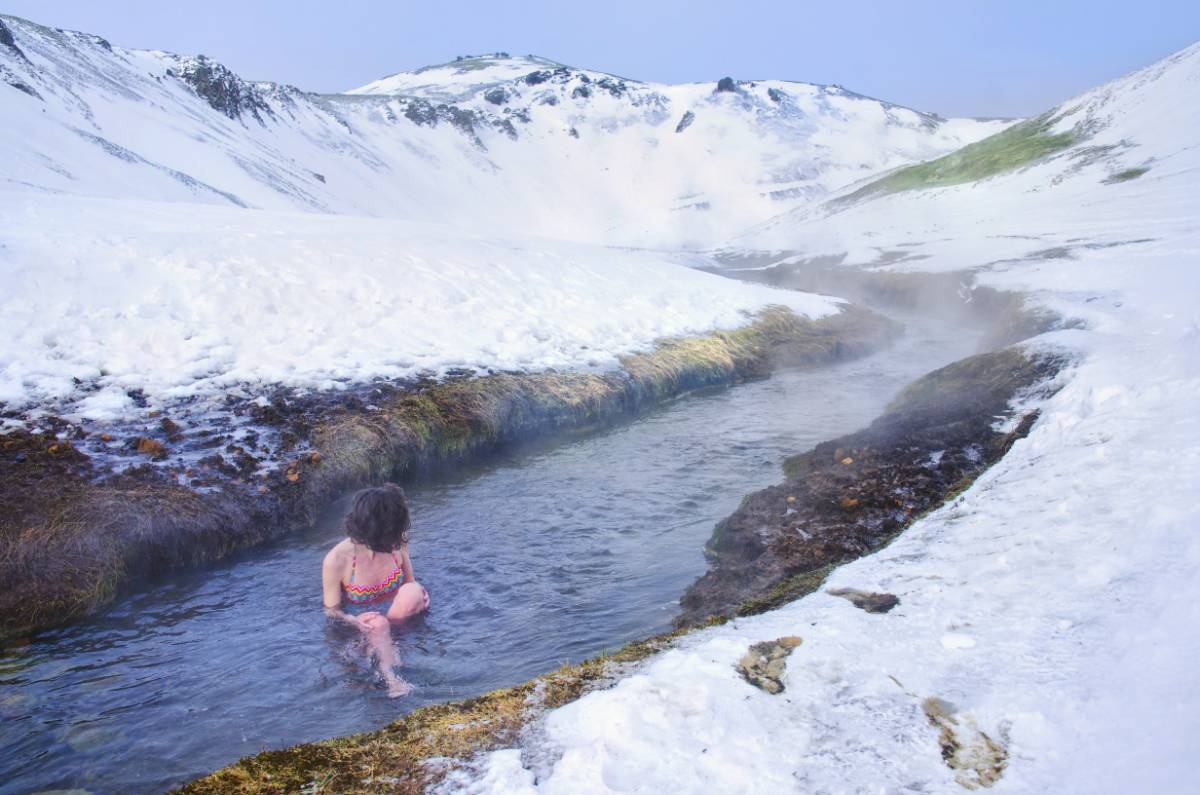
[(495, 143), (1097, 157)]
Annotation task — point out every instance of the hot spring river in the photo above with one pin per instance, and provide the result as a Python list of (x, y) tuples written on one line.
[(548, 554)]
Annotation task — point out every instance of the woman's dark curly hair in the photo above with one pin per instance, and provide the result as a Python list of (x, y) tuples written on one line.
[(378, 518)]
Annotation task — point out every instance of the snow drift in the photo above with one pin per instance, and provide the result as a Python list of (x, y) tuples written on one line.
[(109, 296)]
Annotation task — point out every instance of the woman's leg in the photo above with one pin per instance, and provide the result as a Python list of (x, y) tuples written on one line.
[(412, 598), (379, 636)]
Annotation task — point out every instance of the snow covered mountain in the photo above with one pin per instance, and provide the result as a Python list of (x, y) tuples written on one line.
[(497, 143)]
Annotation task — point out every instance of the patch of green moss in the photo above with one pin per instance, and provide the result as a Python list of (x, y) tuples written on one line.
[(1126, 175), (788, 590), (984, 378), (463, 64), (1016, 146)]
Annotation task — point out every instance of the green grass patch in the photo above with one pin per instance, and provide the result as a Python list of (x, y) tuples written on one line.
[(1019, 145), (789, 590), (1126, 175)]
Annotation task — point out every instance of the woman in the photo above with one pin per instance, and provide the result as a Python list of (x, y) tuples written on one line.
[(370, 569)]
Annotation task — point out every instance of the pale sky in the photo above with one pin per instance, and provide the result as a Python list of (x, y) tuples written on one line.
[(964, 58)]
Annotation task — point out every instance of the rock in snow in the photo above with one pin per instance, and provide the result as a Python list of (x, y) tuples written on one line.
[(867, 600), (765, 663)]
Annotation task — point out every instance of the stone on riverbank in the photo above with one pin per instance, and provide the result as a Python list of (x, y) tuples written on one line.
[(867, 600), (765, 663)]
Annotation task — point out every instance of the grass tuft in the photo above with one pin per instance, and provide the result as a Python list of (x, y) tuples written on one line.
[(789, 590)]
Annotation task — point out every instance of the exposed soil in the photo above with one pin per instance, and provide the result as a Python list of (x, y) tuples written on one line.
[(849, 496), (765, 663), (88, 512), (977, 759)]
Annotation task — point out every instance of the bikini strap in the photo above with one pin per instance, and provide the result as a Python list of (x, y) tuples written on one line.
[(353, 562)]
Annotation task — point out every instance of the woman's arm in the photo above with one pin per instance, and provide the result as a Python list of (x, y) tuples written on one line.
[(331, 589), (409, 576), (406, 564)]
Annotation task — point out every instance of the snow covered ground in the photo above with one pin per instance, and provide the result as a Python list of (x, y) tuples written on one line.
[(105, 296), (172, 228), (1056, 604)]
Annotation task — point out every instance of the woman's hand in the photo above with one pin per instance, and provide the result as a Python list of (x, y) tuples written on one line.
[(372, 622)]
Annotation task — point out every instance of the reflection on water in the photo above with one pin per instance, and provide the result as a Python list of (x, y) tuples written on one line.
[(544, 555)]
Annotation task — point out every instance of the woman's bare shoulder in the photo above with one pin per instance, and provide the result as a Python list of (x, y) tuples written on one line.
[(340, 554)]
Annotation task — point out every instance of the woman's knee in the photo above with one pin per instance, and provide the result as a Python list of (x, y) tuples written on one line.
[(409, 601)]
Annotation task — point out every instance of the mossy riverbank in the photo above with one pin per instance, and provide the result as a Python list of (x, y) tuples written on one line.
[(73, 535), (850, 496)]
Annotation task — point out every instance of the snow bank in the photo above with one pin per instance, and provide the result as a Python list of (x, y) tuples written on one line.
[(103, 296)]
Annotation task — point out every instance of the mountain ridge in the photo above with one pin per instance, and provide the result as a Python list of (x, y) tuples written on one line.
[(503, 155)]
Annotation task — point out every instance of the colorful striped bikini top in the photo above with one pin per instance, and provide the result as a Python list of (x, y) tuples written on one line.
[(367, 594)]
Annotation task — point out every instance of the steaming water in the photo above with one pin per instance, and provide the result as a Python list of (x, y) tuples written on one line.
[(544, 555)]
